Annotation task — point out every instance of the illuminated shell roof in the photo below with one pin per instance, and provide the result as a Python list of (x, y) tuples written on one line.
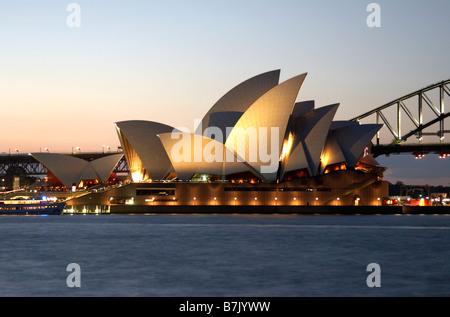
[(304, 137), (353, 139), (105, 165), (272, 110), (346, 142), (241, 97), (310, 132), (192, 153), (144, 152), (71, 170)]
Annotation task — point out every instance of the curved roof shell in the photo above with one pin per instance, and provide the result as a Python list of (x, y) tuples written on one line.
[(241, 97), (257, 127), (71, 170), (346, 142), (272, 110), (353, 139), (191, 153), (310, 132), (143, 150), (104, 166), (332, 152), (66, 168)]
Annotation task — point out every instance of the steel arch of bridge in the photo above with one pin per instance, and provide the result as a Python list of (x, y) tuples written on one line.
[(395, 128)]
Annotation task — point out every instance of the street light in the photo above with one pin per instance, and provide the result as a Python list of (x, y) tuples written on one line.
[(107, 147)]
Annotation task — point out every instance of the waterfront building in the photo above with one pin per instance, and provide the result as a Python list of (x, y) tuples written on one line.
[(256, 146)]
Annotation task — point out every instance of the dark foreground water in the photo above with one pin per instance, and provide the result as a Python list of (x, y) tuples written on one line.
[(254, 256)]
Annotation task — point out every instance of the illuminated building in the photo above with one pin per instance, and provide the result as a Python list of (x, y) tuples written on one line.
[(68, 171), (256, 146)]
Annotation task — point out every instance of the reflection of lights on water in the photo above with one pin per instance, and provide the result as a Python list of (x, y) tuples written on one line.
[(420, 156)]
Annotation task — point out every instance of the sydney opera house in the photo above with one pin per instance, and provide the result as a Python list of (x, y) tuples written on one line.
[(257, 145)]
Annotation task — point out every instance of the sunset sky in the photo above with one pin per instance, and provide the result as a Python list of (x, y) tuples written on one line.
[(170, 61)]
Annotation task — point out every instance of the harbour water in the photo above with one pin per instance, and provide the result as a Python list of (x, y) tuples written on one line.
[(224, 255)]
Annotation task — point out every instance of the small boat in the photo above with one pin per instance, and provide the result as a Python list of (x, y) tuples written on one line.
[(31, 207)]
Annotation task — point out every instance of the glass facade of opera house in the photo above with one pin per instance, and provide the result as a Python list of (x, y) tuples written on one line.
[(257, 145)]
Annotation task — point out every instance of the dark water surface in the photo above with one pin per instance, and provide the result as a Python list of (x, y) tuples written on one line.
[(197, 255)]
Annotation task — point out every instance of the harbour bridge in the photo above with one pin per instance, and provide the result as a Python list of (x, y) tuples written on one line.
[(423, 132), (424, 126)]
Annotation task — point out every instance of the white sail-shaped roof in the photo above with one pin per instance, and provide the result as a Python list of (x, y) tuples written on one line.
[(332, 153), (272, 110), (259, 124), (144, 152), (310, 134), (353, 139), (241, 97), (104, 166), (66, 168), (71, 170), (192, 153), (88, 173)]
